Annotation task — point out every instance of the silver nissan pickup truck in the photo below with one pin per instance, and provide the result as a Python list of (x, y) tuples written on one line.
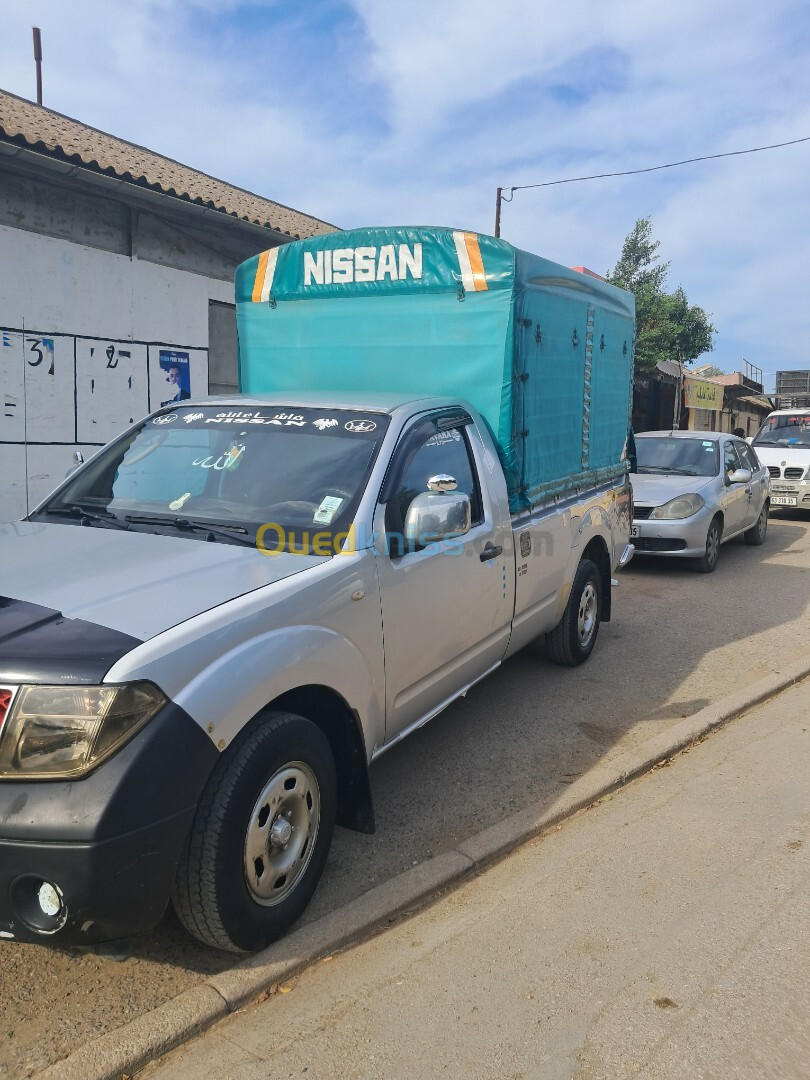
[(216, 624)]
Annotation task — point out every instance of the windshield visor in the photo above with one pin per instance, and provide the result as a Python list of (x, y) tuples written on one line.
[(296, 470), (689, 457)]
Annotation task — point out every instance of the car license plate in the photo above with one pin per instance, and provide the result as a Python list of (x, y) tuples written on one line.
[(776, 500), (634, 531)]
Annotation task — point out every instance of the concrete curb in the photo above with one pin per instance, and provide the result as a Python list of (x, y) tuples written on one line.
[(134, 1045)]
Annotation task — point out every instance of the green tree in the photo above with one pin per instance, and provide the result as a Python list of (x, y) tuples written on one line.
[(668, 327)]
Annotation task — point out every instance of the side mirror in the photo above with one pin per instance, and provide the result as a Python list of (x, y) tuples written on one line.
[(740, 476), (432, 517)]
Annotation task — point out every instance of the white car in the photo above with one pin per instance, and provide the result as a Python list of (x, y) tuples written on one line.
[(693, 491)]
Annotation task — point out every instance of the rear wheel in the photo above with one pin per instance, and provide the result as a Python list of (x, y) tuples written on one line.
[(708, 561), (756, 534), (572, 640), (260, 836)]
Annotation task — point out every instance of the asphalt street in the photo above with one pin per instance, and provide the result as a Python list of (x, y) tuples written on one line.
[(678, 641), (661, 934)]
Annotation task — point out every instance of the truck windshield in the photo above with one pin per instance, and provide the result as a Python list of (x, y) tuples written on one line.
[(219, 473), (787, 430), (666, 454)]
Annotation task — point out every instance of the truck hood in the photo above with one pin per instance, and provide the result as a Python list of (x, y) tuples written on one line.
[(655, 489), (136, 583)]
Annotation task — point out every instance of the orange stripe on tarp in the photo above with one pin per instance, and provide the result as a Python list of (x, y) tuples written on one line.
[(476, 262), (258, 284)]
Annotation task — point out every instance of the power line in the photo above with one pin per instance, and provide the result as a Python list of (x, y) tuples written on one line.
[(632, 172), (654, 168)]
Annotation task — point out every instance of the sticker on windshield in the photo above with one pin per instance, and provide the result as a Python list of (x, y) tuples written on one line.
[(240, 416), (360, 425), (442, 437), (322, 423), (327, 510), (231, 459), (168, 418), (707, 444)]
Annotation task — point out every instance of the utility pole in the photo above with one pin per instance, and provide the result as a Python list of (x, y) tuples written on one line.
[(498, 211), (38, 60)]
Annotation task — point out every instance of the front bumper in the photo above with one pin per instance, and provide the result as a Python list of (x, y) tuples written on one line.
[(84, 893), (92, 860), (787, 495), (682, 538)]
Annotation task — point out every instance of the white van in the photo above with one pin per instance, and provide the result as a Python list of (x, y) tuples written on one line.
[(783, 446)]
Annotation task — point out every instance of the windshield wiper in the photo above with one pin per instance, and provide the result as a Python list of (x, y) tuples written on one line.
[(234, 532), (668, 469), (105, 517)]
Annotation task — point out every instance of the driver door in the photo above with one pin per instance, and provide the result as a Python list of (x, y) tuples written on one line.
[(446, 609)]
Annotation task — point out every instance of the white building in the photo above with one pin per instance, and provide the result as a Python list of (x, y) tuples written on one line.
[(116, 288)]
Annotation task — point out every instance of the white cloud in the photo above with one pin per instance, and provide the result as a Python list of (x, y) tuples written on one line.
[(372, 112)]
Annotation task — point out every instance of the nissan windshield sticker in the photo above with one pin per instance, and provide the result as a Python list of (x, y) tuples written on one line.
[(239, 416), (313, 421)]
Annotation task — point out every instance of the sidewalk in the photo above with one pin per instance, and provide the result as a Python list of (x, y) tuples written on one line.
[(661, 934)]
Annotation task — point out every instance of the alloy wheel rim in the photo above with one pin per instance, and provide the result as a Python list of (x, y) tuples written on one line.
[(281, 833)]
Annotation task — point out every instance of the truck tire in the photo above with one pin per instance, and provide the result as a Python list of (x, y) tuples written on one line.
[(706, 563), (756, 534), (260, 836), (572, 640)]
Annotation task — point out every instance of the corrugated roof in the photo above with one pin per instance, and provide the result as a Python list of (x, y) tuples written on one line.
[(28, 124)]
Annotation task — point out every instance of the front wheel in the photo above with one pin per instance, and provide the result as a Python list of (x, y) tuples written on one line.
[(260, 836), (756, 534), (572, 640), (708, 561)]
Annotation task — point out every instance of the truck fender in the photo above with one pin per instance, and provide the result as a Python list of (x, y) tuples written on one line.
[(310, 670), (593, 540)]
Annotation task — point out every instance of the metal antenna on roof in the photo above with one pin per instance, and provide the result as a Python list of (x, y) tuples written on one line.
[(38, 59)]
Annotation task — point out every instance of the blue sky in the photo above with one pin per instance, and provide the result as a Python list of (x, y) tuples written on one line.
[(366, 112)]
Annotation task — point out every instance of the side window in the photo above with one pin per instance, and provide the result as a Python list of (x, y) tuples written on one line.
[(731, 462), (445, 452)]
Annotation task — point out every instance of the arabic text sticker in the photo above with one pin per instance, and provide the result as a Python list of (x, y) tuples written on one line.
[(327, 510)]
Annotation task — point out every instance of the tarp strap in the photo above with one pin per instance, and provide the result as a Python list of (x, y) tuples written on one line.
[(586, 394)]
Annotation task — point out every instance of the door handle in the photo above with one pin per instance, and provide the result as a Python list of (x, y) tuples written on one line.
[(491, 551)]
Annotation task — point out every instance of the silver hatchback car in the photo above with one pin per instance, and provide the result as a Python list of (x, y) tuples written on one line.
[(692, 491)]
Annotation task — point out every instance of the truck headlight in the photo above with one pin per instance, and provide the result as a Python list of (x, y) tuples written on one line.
[(59, 732), (682, 507)]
